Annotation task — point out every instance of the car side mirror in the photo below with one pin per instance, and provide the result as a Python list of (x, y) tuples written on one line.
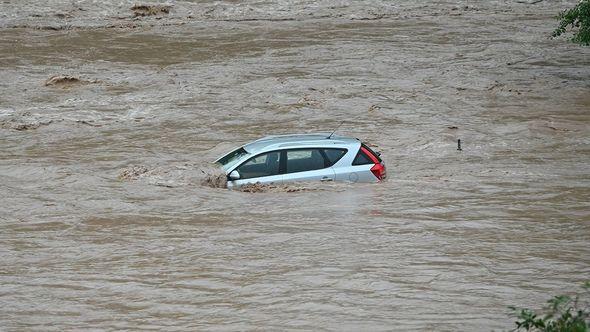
[(234, 175)]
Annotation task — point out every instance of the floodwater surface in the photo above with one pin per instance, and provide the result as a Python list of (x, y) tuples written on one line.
[(105, 222)]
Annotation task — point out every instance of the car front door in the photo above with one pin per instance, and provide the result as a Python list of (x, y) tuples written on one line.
[(306, 165), (263, 168)]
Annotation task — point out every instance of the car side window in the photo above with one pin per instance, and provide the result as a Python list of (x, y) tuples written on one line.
[(302, 160), (333, 155), (265, 164)]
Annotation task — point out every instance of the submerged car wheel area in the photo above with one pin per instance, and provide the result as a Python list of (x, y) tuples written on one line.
[(304, 157)]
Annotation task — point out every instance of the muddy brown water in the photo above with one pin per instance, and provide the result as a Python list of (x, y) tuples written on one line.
[(446, 243)]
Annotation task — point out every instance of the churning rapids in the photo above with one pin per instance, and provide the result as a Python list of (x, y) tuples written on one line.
[(110, 115)]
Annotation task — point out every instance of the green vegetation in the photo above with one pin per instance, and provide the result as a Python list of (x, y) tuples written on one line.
[(563, 314), (578, 19)]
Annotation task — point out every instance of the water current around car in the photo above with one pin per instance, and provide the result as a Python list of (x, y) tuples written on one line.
[(109, 121)]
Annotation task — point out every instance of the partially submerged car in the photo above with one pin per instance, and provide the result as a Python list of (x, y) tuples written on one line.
[(303, 157)]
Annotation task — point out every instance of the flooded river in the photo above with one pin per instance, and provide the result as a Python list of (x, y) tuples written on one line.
[(446, 243)]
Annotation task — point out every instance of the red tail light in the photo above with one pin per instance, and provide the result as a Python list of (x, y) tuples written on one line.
[(379, 169)]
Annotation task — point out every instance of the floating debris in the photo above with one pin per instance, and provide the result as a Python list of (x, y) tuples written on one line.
[(557, 128), (22, 121), (307, 101), (215, 180), (373, 108), (124, 25), (255, 187), (150, 10), (132, 173), (261, 188), (63, 15), (88, 123), (22, 126), (65, 81)]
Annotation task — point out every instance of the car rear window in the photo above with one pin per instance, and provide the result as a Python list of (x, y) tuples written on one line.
[(361, 159)]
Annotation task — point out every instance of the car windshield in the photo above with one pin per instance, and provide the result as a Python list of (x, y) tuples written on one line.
[(232, 156)]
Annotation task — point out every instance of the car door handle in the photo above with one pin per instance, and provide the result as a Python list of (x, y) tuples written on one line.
[(325, 179)]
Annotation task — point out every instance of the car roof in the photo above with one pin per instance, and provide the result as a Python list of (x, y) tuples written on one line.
[(275, 142)]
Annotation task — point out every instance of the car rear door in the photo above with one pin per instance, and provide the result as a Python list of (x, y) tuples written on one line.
[(306, 165), (362, 166)]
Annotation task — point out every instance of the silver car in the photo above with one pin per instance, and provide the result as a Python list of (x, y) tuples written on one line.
[(303, 157)]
